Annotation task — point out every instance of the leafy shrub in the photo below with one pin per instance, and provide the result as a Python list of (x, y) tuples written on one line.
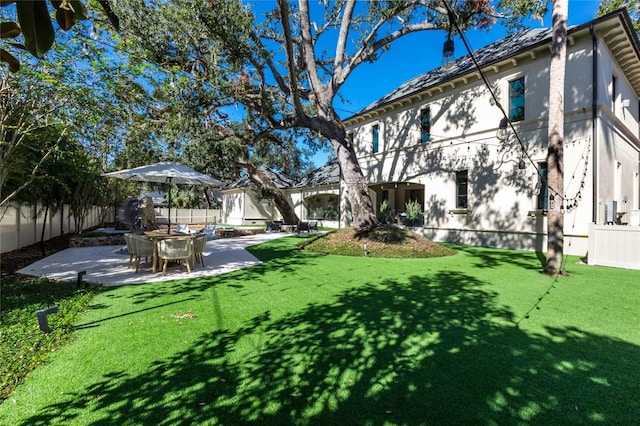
[(413, 210), (384, 212)]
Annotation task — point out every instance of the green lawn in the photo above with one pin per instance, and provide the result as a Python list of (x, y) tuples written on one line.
[(477, 338)]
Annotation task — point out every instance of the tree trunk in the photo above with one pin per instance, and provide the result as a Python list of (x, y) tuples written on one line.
[(555, 152), (44, 227), (357, 192), (268, 189), (357, 189)]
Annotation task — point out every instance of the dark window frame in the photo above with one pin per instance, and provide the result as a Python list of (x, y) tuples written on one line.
[(425, 125), (542, 202), (375, 137), (462, 189), (516, 99)]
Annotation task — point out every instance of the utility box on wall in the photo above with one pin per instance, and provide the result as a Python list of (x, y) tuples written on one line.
[(610, 212)]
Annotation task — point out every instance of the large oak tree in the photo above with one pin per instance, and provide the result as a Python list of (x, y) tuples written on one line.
[(293, 61)]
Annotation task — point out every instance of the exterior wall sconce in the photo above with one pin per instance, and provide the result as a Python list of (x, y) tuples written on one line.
[(501, 134)]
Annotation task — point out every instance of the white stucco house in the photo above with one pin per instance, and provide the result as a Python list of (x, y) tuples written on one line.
[(441, 140)]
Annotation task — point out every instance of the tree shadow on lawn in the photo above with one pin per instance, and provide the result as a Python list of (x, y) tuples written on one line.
[(484, 257), (432, 350)]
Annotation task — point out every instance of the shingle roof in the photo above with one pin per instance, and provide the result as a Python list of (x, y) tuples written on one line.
[(495, 51), (325, 175), (280, 180)]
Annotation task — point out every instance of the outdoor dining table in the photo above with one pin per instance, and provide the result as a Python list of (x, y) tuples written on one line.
[(159, 235)]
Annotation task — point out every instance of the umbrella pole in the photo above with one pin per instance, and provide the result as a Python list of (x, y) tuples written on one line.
[(169, 205)]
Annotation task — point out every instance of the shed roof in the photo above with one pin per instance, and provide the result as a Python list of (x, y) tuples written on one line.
[(279, 179)]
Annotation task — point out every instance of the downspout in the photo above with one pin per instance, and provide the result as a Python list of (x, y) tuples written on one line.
[(594, 116)]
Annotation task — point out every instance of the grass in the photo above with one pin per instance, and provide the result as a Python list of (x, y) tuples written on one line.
[(481, 337)]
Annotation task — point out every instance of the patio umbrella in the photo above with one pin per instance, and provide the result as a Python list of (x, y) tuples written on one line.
[(166, 172)]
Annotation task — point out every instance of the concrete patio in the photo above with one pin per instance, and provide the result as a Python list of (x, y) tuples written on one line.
[(108, 265)]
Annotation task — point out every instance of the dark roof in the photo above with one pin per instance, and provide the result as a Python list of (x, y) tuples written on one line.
[(497, 50), (508, 47), (279, 179), (324, 175)]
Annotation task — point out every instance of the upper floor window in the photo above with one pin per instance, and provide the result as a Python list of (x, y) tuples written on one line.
[(425, 125), (516, 99), (614, 92), (375, 136), (462, 187), (543, 195)]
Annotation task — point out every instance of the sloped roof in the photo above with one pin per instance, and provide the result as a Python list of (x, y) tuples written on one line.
[(279, 179), (327, 174), (621, 39), (499, 49)]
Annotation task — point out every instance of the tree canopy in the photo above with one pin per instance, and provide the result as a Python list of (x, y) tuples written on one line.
[(286, 66)]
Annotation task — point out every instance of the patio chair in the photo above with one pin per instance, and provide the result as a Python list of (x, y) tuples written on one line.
[(142, 247), (302, 227), (175, 249), (199, 244), (313, 226), (273, 226), (129, 242)]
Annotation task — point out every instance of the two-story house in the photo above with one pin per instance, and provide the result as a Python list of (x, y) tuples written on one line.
[(441, 140)]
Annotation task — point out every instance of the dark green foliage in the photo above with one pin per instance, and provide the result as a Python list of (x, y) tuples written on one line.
[(24, 346)]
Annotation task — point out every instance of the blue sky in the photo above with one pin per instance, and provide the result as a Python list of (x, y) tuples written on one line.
[(418, 53)]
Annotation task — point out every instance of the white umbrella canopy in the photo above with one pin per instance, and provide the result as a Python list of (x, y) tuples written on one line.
[(166, 172)]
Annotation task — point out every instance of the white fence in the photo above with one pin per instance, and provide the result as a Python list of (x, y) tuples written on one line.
[(614, 245), (20, 227), (188, 215)]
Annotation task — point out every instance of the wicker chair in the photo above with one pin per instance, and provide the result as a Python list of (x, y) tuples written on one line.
[(178, 249), (142, 247), (199, 244), (129, 242)]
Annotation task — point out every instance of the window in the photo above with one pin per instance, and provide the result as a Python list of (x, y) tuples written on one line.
[(350, 138), (375, 131), (516, 99), (462, 184), (614, 92), (425, 125), (543, 194)]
